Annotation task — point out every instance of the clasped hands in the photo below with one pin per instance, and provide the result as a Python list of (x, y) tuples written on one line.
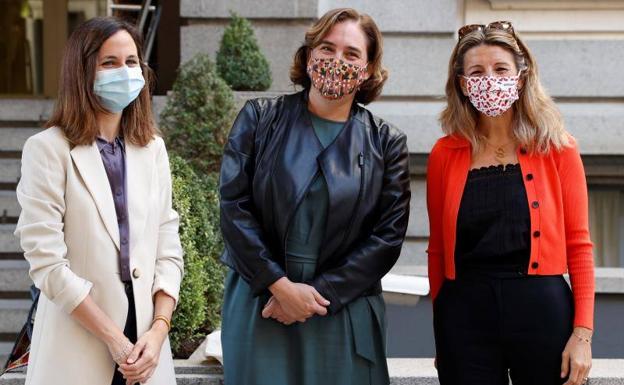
[(294, 302), (137, 362)]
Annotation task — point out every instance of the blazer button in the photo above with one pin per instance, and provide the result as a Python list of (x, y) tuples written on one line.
[(535, 204), (536, 234), (534, 265), (529, 177), (136, 273)]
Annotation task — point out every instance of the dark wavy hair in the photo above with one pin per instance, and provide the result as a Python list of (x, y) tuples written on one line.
[(371, 88), (77, 105)]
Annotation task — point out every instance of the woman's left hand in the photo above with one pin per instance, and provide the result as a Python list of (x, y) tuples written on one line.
[(145, 356), (274, 310), (577, 357)]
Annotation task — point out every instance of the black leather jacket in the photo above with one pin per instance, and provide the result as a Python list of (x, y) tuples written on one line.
[(269, 162)]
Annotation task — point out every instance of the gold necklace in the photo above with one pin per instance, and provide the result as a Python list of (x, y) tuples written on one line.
[(499, 151)]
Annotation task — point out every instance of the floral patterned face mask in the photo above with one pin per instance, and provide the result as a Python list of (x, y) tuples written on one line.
[(334, 78), (492, 95)]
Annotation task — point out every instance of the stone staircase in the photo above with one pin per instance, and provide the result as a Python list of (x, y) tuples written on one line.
[(20, 120)]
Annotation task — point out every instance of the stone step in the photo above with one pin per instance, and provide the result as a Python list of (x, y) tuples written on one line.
[(417, 270), (420, 371), (26, 110), (181, 379), (5, 350), (14, 276), (186, 374), (403, 371), (608, 280), (13, 139), (9, 170), (9, 243), (31, 114), (13, 313), (8, 204)]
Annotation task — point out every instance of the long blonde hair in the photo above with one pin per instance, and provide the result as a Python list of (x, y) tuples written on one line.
[(538, 124)]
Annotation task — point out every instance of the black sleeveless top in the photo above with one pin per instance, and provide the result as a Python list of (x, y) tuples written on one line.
[(493, 223)]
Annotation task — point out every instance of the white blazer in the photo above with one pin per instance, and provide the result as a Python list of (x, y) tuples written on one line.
[(68, 230)]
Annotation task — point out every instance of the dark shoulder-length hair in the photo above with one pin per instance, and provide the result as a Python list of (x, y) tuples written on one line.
[(77, 105), (371, 88)]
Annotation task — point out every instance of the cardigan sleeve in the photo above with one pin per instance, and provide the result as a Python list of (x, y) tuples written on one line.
[(435, 202), (578, 244)]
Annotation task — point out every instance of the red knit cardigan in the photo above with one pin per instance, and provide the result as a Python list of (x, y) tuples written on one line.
[(557, 195)]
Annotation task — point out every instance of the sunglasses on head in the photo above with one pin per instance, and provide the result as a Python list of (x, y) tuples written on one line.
[(499, 25)]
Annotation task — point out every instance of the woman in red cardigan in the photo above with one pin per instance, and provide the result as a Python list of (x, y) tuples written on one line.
[(507, 202)]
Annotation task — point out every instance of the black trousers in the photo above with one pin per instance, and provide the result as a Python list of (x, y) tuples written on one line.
[(492, 328), (130, 330)]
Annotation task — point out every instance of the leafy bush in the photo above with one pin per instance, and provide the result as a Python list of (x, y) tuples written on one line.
[(241, 63), (198, 115), (196, 201)]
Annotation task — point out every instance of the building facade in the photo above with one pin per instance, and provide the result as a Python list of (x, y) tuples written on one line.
[(579, 47)]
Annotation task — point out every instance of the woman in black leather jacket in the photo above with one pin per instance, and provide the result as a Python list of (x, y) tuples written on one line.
[(314, 208)]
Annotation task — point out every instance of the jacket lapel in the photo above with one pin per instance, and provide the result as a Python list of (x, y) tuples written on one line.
[(139, 171), (343, 173), (301, 157), (89, 164), (296, 168)]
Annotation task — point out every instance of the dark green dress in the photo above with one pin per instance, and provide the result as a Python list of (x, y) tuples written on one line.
[(347, 348)]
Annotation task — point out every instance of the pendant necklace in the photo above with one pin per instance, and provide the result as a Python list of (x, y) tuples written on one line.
[(499, 151)]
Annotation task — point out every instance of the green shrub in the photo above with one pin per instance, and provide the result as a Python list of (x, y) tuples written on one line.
[(241, 63), (198, 115), (196, 201), (211, 246)]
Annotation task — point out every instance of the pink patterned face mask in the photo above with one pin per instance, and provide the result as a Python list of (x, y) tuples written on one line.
[(334, 78), (492, 95)]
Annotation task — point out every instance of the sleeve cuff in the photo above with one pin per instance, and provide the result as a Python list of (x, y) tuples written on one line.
[(73, 295), (168, 279), (326, 290), (170, 289), (261, 281), (584, 315)]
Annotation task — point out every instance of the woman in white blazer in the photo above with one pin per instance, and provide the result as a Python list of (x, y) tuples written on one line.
[(97, 226)]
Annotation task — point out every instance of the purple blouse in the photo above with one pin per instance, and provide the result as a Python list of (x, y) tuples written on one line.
[(113, 157)]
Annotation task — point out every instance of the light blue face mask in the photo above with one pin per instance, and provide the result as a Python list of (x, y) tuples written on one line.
[(118, 87)]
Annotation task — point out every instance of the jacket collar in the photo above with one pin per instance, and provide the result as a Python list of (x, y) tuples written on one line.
[(89, 164), (355, 112), (339, 165), (139, 167)]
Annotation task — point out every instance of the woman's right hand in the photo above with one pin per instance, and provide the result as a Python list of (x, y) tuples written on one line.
[(120, 348), (298, 300)]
